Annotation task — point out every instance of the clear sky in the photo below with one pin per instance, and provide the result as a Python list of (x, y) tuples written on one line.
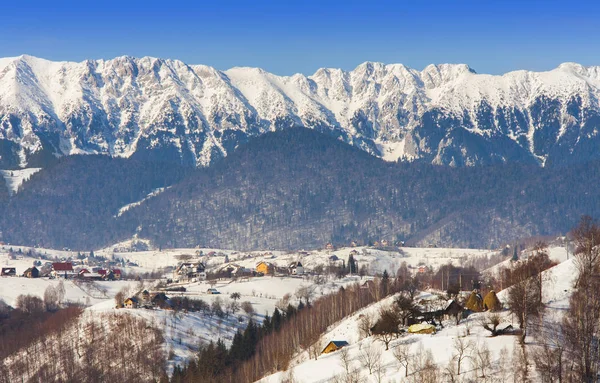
[(286, 37)]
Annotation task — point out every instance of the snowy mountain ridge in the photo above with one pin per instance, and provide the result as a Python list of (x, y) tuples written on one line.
[(159, 109)]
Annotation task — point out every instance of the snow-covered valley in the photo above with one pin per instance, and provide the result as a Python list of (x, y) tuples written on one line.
[(185, 331)]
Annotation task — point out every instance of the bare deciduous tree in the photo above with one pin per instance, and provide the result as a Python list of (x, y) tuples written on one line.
[(462, 351), (248, 308), (549, 355), (524, 302), (365, 323), (402, 354), (51, 298), (426, 369), (369, 357), (490, 322), (387, 327), (482, 358), (315, 349), (345, 360), (306, 292)]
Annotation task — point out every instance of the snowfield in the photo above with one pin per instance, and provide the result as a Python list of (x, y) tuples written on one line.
[(15, 178)]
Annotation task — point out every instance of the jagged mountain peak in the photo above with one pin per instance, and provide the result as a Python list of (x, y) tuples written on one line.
[(166, 110)]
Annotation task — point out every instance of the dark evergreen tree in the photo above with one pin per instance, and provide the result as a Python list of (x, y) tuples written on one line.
[(277, 319), (385, 283), (250, 339), (352, 268), (267, 325), (237, 352)]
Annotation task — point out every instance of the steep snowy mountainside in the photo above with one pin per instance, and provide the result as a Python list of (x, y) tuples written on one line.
[(166, 110)]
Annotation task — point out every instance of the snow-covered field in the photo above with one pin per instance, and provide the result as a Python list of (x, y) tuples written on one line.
[(375, 260), (184, 331)]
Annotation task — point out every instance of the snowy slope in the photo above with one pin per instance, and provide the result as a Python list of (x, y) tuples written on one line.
[(15, 178), (558, 282), (443, 114)]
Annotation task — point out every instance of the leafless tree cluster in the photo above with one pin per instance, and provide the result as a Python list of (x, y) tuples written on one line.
[(301, 331), (569, 351), (102, 348)]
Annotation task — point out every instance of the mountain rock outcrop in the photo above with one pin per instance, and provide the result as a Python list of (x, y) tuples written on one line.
[(165, 110)]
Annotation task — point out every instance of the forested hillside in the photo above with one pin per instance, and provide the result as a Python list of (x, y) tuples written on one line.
[(301, 189), (74, 202), (293, 189)]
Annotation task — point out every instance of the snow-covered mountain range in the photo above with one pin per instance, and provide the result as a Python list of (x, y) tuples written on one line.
[(159, 109)]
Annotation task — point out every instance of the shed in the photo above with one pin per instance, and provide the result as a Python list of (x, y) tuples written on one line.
[(421, 329), (31, 272), (334, 345), (9, 272)]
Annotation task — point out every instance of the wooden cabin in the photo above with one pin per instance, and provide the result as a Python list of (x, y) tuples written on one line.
[(31, 272), (334, 345)]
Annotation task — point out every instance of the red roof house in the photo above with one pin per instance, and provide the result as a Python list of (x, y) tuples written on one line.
[(62, 266)]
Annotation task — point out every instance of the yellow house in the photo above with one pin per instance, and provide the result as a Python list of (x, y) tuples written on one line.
[(264, 268), (334, 345), (130, 303)]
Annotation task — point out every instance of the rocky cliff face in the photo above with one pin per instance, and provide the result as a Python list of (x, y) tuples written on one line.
[(167, 110)]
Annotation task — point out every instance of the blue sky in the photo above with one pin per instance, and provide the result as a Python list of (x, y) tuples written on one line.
[(286, 37)]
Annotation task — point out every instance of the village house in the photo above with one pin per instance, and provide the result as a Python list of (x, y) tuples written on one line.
[(146, 298), (9, 272), (131, 303), (90, 276), (422, 269), (161, 301), (265, 268), (188, 271), (233, 270), (31, 272), (296, 268), (334, 345), (62, 269), (329, 246)]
